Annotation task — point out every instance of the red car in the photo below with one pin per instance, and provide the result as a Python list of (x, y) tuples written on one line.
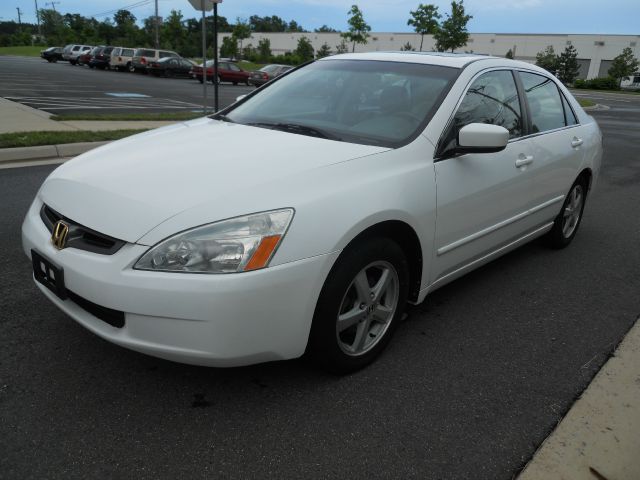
[(227, 72), (85, 58)]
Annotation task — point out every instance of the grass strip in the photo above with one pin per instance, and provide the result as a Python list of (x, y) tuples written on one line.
[(623, 91), (585, 102), (33, 139), (128, 116), (22, 51)]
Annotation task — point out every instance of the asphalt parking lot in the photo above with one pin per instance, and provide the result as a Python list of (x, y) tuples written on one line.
[(474, 381), (64, 88)]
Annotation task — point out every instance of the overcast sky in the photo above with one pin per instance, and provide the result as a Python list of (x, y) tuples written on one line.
[(499, 16)]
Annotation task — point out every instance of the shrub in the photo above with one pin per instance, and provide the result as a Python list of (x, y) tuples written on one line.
[(605, 83)]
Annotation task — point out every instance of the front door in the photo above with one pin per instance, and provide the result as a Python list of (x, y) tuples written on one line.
[(482, 199)]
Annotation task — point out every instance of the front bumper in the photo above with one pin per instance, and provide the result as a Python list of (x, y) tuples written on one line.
[(201, 319)]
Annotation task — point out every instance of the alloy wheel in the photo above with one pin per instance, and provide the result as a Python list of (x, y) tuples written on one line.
[(367, 308), (572, 211)]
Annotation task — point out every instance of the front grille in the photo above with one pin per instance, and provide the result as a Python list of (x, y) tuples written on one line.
[(81, 237), (115, 318)]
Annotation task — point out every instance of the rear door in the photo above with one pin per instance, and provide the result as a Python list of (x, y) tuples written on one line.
[(556, 138), (236, 73), (223, 72), (482, 199)]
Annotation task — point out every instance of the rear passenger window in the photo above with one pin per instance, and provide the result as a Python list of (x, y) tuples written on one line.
[(127, 52), (492, 98), (569, 116), (544, 101)]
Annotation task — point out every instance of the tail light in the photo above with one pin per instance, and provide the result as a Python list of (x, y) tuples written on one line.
[(143, 60), (265, 76)]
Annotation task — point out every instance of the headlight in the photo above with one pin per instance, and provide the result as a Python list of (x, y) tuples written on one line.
[(235, 245)]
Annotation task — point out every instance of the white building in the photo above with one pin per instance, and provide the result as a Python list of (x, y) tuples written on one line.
[(595, 52)]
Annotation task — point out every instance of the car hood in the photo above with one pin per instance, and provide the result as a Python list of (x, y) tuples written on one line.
[(126, 188)]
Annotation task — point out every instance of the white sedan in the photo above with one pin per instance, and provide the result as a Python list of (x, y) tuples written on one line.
[(335, 195)]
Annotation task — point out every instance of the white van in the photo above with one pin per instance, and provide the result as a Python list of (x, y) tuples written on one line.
[(121, 59)]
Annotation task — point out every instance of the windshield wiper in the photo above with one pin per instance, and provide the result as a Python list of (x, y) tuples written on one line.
[(223, 118), (296, 128)]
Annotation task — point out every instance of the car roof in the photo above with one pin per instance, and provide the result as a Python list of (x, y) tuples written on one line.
[(456, 60)]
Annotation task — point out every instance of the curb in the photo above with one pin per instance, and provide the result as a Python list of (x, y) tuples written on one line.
[(597, 106), (43, 152)]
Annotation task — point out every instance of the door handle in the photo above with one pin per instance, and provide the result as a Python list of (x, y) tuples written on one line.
[(524, 160), (576, 142)]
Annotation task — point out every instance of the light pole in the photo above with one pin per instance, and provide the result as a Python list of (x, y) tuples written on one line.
[(215, 54), (206, 6), (204, 58)]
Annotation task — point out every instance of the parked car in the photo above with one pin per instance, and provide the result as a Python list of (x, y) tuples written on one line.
[(100, 59), (143, 56), (74, 51), (85, 58), (121, 58), (346, 189), (266, 73), (171, 67), (227, 72), (52, 54)]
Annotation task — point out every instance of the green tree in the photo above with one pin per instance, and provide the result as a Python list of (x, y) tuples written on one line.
[(264, 50), (509, 54), (453, 32), (229, 47), (241, 31), (358, 28), (304, 50), (294, 27), (173, 33), (342, 47), (126, 28), (325, 29), (424, 20), (407, 47), (568, 66), (623, 66), (267, 24), (323, 51), (548, 59)]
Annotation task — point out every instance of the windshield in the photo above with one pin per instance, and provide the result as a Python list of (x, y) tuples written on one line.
[(270, 68), (358, 101)]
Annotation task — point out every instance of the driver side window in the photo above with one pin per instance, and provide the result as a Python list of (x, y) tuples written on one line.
[(493, 99)]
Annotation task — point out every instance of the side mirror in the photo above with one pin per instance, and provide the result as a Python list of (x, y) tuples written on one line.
[(240, 97), (482, 138)]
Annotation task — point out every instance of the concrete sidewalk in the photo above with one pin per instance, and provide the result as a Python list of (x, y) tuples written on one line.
[(599, 438), (15, 117)]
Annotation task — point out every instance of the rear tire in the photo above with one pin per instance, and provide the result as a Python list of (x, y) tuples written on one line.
[(359, 307), (566, 224)]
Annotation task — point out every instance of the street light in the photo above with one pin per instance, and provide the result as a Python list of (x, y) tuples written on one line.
[(206, 6)]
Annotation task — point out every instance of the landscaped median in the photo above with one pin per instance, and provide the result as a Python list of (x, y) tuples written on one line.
[(41, 136), (585, 102), (24, 146)]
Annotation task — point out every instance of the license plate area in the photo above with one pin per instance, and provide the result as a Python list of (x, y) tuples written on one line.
[(48, 275)]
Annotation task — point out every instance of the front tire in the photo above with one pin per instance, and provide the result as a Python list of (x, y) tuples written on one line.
[(360, 305), (566, 224)]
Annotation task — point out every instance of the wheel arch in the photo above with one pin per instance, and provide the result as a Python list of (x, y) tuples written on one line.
[(587, 175), (406, 237)]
